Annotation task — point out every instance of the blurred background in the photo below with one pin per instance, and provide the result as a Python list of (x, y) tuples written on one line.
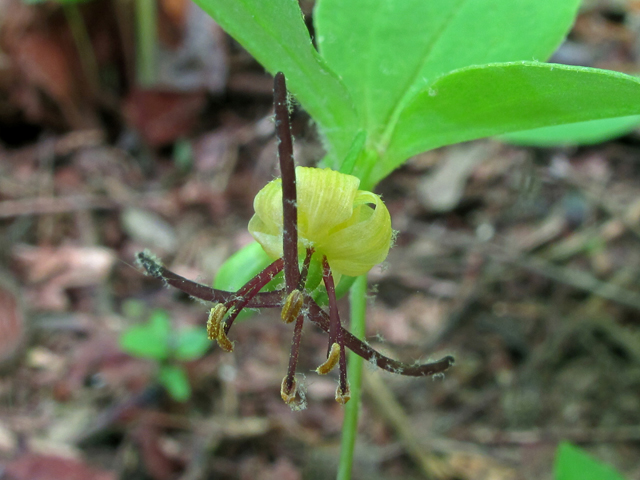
[(133, 124)]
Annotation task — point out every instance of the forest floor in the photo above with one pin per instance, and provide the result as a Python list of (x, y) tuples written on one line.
[(523, 263)]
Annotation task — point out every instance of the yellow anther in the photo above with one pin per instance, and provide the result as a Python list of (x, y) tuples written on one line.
[(215, 327), (216, 315), (292, 306), (223, 340), (289, 395), (343, 396), (332, 360)]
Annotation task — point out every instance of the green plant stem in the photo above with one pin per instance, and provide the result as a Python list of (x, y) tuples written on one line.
[(147, 40), (358, 302), (83, 45)]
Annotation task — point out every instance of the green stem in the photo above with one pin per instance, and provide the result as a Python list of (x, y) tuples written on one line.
[(147, 40), (358, 302), (83, 45)]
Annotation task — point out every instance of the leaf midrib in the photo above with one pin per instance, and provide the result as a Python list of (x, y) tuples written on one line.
[(392, 119)]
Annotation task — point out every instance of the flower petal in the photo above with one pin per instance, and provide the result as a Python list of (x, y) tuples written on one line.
[(351, 227), (325, 200), (268, 205), (364, 240), (268, 236)]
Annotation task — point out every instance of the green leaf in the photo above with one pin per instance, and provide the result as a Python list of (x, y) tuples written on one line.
[(138, 342), (387, 50), (160, 323), (149, 340), (573, 463), (490, 100), (175, 380), (274, 33), (344, 285), (191, 344), (580, 133), (241, 267)]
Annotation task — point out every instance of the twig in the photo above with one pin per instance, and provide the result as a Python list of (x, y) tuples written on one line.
[(52, 205), (581, 280), (431, 465), (72, 203), (553, 435)]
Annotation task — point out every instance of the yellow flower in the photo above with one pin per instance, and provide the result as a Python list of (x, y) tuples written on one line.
[(351, 227)]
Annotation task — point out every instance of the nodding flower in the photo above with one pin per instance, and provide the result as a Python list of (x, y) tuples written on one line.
[(345, 230), (311, 218), (350, 227)]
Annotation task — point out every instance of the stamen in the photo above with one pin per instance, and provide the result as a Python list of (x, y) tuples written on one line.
[(305, 269), (250, 290), (223, 340), (289, 389), (335, 332), (343, 394), (216, 315), (332, 360), (261, 279), (292, 306), (316, 315), (368, 353), (204, 292), (334, 318), (290, 380)]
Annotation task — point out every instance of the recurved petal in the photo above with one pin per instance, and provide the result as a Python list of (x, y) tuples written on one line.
[(364, 240), (268, 205), (325, 199), (267, 235)]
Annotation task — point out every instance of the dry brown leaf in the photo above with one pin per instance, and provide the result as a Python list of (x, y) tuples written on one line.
[(478, 467), (54, 269), (163, 117), (44, 64), (195, 59), (175, 10), (66, 266), (159, 464), (31, 466), (102, 355)]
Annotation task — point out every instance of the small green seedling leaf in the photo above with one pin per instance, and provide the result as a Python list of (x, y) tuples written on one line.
[(191, 344), (160, 323), (274, 33), (175, 380), (149, 340), (489, 100), (580, 133), (572, 463)]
